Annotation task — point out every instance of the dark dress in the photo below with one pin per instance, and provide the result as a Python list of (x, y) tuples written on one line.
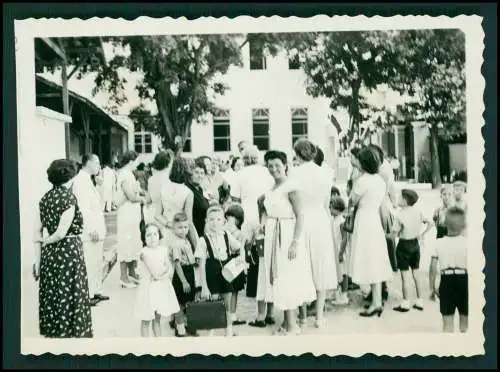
[(64, 306), (200, 206)]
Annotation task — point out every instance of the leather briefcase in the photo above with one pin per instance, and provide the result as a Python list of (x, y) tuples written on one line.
[(206, 315)]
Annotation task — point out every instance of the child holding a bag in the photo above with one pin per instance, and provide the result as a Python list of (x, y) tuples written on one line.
[(215, 250)]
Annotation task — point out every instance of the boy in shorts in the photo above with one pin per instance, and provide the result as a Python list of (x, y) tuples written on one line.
[(408, 226), (449, 259)]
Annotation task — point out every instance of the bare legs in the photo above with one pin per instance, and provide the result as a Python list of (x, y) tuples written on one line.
[(227, 300), (320, 307), (449, 326), (146, 325)]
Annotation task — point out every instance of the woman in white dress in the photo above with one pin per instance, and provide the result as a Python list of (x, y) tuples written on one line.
[(176, 197), (128, 218), (316, 184), (162, 165), (369, 263), (287, 272)]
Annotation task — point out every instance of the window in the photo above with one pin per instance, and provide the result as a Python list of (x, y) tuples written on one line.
[(222, 130), (299, 124), (257, 57), (260, 123), (143, 143), (293, 62)]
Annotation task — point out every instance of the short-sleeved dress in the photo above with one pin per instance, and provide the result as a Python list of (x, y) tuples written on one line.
[(128, 218), (369, 262), (64, 306), (156, 296), (287, 283), (315, 188)]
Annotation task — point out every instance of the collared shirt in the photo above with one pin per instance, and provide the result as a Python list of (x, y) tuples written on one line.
[(218, 244), (451, 252), (181, 250), (409, 222), (89, 201)]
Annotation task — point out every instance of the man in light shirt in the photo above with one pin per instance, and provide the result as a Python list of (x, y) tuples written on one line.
[(94, 225)]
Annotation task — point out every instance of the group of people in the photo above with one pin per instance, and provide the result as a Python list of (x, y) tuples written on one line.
[(290, 237)]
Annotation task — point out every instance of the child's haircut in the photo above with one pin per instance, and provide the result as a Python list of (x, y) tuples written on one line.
[(338, 204), (215, 207), (445, 188), (456, 212), (153, 224), (335, 191), (180, 217), (236, 211), (460, 183), (410, 196)]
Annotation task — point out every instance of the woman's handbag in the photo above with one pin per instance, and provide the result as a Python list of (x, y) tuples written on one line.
[(142, 227), (349, 221), (206, 315), (259, 245)]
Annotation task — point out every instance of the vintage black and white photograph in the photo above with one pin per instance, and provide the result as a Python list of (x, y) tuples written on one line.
[(251, 185)]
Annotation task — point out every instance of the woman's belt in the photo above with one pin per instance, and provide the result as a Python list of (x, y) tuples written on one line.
[(276, 244), (453, 271)]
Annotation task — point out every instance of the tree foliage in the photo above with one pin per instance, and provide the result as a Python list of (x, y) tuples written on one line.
[(341, 66), (432, 70)]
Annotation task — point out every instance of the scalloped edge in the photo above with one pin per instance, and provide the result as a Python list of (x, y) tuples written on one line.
[(28, 28)]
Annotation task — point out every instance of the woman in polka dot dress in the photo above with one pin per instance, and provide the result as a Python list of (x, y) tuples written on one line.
[(64, 306)]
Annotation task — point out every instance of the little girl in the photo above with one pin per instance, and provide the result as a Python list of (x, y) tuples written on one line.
[(214, 250), (156, 297), (440, 212), (234, 219)]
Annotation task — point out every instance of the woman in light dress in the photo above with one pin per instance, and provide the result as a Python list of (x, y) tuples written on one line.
[(176, 197), (162, 165), (316, 184), (128, 218), (288, 274), (369, 263)]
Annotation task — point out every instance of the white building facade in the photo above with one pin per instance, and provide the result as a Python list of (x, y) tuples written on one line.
[(266, 104)]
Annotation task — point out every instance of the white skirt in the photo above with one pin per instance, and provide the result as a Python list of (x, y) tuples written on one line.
[(128, 234), (155, 297)]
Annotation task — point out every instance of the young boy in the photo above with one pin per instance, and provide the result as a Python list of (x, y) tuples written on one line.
[(408, 225), (184, 279), (450, 253), (337, 209), (214, 250)]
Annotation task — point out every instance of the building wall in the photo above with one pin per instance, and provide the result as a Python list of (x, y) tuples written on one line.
[(33, 164), (278, 89)]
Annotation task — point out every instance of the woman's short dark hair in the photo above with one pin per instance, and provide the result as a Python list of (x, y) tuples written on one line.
[(338, 204), (61, 171), (234, 161), (379, 151), (126, 158), (236, 211), (275, 154), (161, 160), (180, 171), (199, 162), (320, 156), (305, 149), (369, 160), (335, 191)]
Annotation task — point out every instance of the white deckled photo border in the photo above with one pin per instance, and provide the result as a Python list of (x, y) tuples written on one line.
[(355, 345)]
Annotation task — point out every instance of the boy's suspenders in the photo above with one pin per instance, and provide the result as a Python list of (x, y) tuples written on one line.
[(210, 249)]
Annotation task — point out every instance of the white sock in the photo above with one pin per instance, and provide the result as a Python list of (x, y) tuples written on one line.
[(233, 317), (405, 304), (181, 328), (419, 302)]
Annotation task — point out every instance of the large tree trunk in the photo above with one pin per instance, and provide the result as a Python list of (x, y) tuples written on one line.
[(436, 172)]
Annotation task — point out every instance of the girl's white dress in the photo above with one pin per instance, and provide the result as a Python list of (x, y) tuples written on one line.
[(128, 217), (293, 282), (156, 296), (369, 262), (315, 186)]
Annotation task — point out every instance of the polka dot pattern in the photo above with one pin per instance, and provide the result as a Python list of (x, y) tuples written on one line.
[(64, 295)]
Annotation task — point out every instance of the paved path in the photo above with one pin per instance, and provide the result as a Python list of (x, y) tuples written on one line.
[(115, 318)]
